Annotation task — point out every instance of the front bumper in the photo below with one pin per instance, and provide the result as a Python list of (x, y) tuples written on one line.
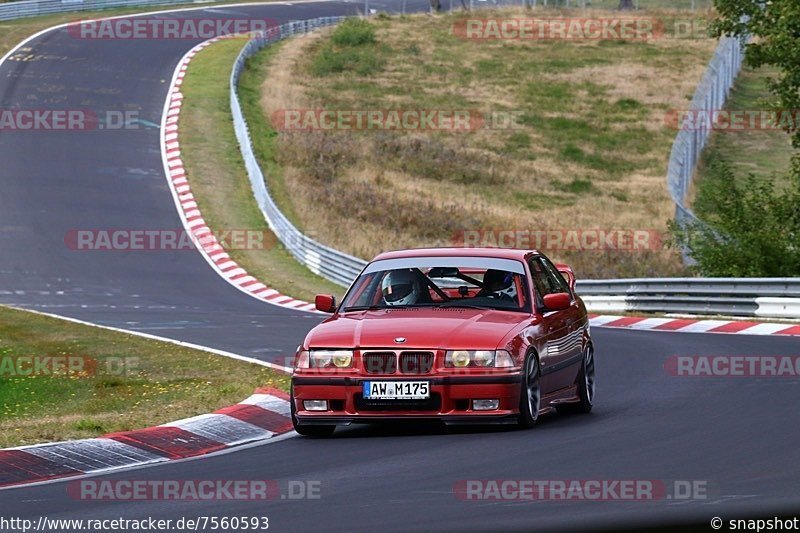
[(450, 400)]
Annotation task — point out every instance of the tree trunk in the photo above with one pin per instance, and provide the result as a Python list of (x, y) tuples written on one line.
[(625, 4)]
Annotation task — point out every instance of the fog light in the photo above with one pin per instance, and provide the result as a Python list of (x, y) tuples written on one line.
[(485, 405), (315, 405)]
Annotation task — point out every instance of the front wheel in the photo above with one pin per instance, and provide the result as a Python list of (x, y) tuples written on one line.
[(586, 381), (308, 431), (585, 384), (530, 394)]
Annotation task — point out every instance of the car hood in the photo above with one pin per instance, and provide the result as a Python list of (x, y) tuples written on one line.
[(452, 328)]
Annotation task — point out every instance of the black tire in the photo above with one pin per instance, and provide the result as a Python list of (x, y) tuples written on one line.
[(530, 394), (308, 430), (587, 380), (586, 385)]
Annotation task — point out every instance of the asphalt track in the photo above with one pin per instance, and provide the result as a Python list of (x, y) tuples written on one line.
[(740, 436), (53, 182)]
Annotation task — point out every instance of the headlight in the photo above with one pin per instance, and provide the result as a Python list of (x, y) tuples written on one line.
[(343, 360), (483, 358), (330, 358), (325, 359), (478, 358), (458, 358)]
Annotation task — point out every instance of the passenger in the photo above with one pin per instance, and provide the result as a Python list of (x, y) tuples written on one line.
[(499, 284)]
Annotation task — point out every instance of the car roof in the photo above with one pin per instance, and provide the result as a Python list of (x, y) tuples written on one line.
[(500, 253)]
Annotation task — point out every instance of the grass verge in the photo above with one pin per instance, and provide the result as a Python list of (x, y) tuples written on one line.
[(589, 150), (219, 181), (119, 382)]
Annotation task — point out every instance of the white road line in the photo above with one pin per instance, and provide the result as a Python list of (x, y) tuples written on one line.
[(231, 355)]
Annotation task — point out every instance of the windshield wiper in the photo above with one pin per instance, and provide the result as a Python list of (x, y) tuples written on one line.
[(459, 303), (364, 308)]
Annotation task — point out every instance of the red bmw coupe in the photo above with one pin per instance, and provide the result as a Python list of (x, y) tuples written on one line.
[(463, 335)]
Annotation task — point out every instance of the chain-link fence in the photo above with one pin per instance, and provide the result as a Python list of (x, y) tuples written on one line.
[(635, 4), (709, 96)]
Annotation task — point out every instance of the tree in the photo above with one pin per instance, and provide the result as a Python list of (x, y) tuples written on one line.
[(625, 4), (749, 228), (776, 26)]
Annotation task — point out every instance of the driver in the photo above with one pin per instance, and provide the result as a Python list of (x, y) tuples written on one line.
[(499, 284), (400, 287)]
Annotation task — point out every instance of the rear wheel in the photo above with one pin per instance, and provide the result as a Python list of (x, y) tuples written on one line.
[(308, 430), (530, 394)]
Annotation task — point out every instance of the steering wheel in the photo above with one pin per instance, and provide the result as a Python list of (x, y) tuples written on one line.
[(503, 297)]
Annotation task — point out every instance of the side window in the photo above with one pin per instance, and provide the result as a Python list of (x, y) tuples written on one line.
[(540, 283), (558, 280), (546, 278)]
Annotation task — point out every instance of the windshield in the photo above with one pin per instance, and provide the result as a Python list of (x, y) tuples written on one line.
[(467, 282)]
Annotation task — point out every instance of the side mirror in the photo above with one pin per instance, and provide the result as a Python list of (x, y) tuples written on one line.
[(557, 301), (325, 303), (567, 273)]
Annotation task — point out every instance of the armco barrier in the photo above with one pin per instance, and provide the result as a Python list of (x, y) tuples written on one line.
[(762, 297), (779, 297), (331, 264), (35, 8), (765, 297)]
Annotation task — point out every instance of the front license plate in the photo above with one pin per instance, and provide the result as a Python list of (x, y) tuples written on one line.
[(396, 390)]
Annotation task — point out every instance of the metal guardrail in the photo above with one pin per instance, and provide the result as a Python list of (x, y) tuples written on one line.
[(331, 264), (34, 8), (779, 297), (706, 287), (762, 297), (765, 297), (710, 95)]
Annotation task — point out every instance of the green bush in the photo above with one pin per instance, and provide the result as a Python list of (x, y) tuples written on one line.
[(749, 228), (354, 32), (352, 48)]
